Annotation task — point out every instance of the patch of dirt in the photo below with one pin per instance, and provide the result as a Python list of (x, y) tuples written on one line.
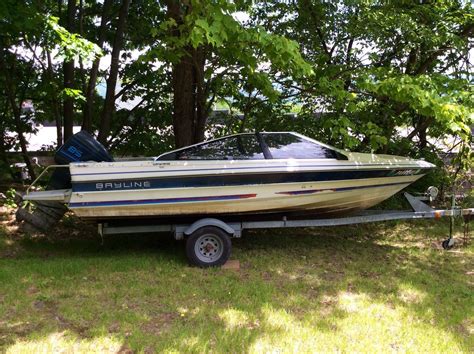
[(50, 310), (3, 212), (69, 227), (39, 305), (328, 300), (372, 275), (124, 349), (332, 275), (7, 220), (114, 327), (467, 327), (159, 324), (9, 254), (15, 330)]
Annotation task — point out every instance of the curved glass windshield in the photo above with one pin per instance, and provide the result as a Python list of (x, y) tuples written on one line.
[(258, 146), (290, 146), (238, 147)]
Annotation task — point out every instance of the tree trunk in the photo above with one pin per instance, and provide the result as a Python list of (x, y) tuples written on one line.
[(68, 72), (55, 104), (90, 91), (423, 139), (15, 107), (422, 128), (200, 98), (189, 101), (109, 104), (3, 152), (183, 103), (189, 97)]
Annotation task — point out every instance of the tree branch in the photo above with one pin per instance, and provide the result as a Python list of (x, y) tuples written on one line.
[(424, 66)]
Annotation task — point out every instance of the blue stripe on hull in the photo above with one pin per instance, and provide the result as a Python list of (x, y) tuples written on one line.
[(312, 191), (213, 198), (163, 200)]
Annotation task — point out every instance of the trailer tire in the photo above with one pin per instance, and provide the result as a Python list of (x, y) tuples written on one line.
[(447, 245), (208, 246)]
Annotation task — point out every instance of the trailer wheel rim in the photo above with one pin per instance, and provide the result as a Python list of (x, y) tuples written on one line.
[(208, 248)]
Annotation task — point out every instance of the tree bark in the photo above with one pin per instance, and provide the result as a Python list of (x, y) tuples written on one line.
[(189, 97), (90, 91), (15, 107), (422, 124), (55, 104), (201, 112), (109, 104), (68, 72), (422, 135), (183, 103), (3, 150), (189, 100)]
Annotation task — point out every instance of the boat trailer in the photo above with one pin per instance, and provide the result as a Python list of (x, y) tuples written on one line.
[(208, 239)]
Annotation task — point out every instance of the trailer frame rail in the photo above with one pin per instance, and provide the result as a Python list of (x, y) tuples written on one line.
[(234, 229)]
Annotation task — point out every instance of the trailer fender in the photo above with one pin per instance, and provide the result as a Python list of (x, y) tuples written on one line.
[(210, 222)]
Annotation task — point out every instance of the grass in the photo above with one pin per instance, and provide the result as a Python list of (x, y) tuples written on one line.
[(380, 287)]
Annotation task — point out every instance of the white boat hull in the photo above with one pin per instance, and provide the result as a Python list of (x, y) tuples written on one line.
[(318, 197)]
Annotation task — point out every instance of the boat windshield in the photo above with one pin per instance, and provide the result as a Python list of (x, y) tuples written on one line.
[(237, 147), (250, 146), (290, 146)]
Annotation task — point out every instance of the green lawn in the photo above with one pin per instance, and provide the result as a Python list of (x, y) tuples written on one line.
[(374, 288)]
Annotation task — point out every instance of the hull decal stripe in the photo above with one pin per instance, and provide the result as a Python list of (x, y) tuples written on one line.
[(231, 180), (312, 191), (163, 200), (215, 198), (371, 165)]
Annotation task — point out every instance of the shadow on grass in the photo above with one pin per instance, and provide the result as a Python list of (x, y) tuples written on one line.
[(348, 288)]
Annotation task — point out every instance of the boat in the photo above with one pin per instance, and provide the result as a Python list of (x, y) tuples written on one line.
[(241, 174)]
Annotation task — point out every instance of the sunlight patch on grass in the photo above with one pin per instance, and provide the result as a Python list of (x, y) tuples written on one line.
[(376, 326), (468, 326), (191, 343), (284, 333), (351, 302), (278, 319), (410, 295), (369, 326), (65, 343), (233, 319)]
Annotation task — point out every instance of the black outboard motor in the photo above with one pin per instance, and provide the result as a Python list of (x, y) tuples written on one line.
[(80, 147)]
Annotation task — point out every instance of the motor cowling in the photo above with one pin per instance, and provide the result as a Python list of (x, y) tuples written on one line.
[(81, 146)]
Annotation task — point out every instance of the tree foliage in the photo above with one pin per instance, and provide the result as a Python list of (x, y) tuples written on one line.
[(392, 77)]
